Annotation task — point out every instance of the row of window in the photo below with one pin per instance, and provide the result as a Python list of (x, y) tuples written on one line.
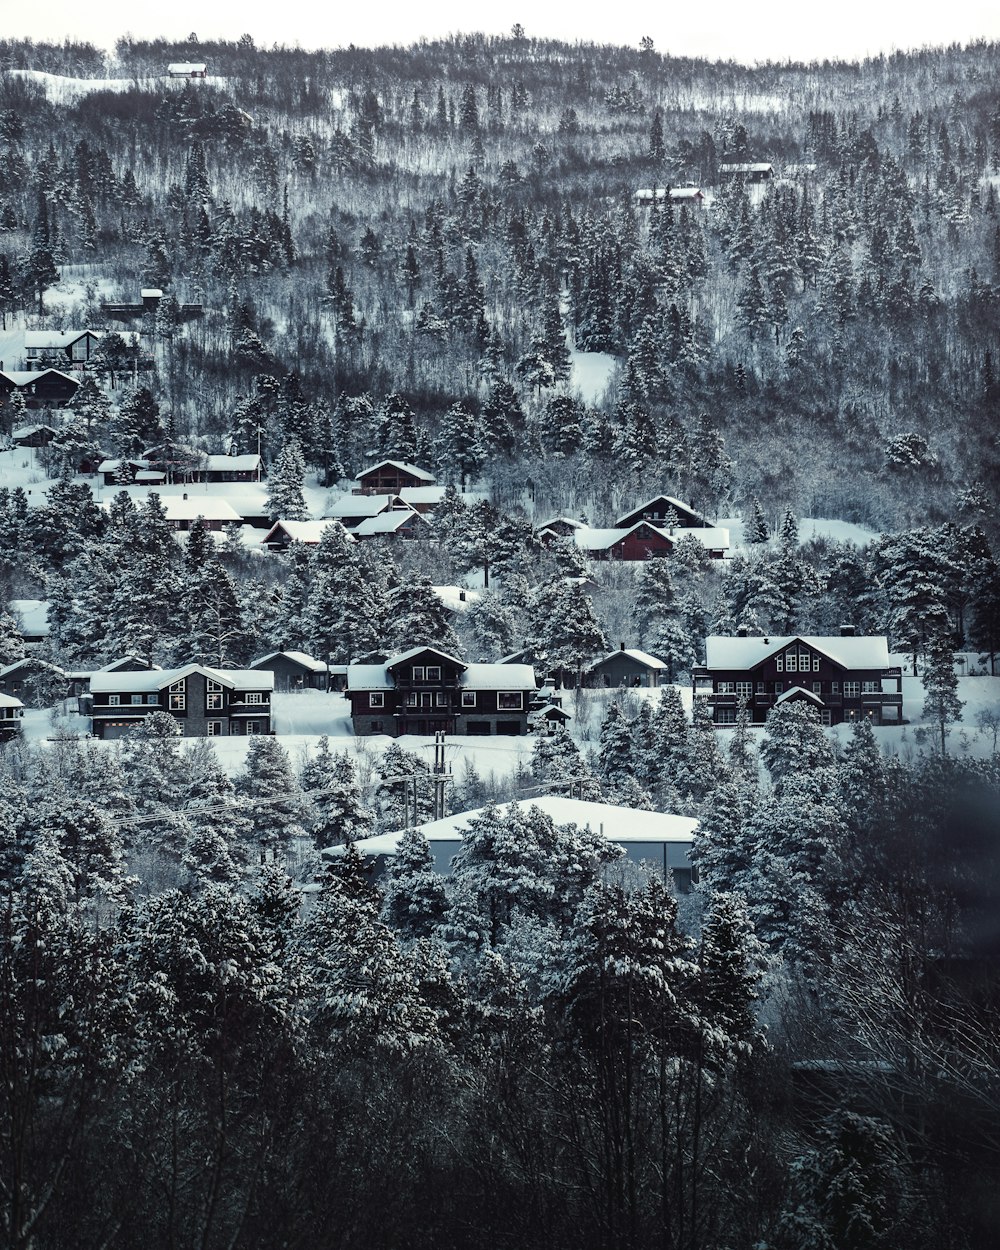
[(744, 689), (427, 672), (177, 698), (507, 700), (797, 661)]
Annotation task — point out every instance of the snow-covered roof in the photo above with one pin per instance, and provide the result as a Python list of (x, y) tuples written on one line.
[(742, 653), (53, 340), (498, 677), (26, 431), (8, 700), (744, 167), (297, 657), (359, 505), (640, 657), (645, 194), (368, 677), (394, 660), (149, 477), (112, 466), (713, 538), (150, 292), (421, 474), (236, 464), (186, 67), (680, 507), (24, 377), (299, 531), (115, 666), (386, 522), (209, 507), (618, 824), (561, 520), (31, 661), (142, 680), (800, 692), (414, 495), (592, 539)]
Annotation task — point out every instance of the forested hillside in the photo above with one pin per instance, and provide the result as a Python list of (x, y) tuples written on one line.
[(213, 1035)]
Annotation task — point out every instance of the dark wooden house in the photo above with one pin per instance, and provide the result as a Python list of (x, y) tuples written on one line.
[(205, 702), (40, 388), (666, 512), (388, 477), (626, 667), (844, 677), (294, 670), (11, 712), (425, 690)]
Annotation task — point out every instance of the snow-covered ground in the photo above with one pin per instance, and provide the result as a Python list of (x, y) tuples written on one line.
[(591, 374), (61, 89)]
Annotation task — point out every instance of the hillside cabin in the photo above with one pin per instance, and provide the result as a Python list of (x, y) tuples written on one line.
[(666, 512), (659, 840), (40, 388), (32, 436), (388, 477), (425, 690), (645, 541), (693, 196), (187, 69), (845, 678), (626, 667), (205, 702), (749, 171)]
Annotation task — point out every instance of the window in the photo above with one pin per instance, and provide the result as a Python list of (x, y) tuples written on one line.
[(468, 698), (213, 728), (136, 698), (213, 686), (744, 689), (791, 662), (114, 700), (441, 698), (725, 687), (376, 699), (852, 689), (778, 687), (725, 716), (434, 672), (253, 727), (411, 698), (213, 701), (817, 687), (826, 716), (509, 700), (871, 687), (178, 702), (418, 672), (815, 663), (779, 663), (254, 696), (152, 698), (760, 687), (835, 687)]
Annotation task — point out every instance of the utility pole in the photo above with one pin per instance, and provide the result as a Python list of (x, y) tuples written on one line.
[(441, 775)]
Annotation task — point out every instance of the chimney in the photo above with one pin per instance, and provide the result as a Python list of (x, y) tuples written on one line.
[(185, 495), (847, 631), (767, 642), (621, 646)]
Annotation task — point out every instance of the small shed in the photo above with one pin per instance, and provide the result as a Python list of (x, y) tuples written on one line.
[(627, 667)]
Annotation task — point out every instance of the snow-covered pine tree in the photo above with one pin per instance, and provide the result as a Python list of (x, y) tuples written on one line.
[(285, 498), (414, 896)]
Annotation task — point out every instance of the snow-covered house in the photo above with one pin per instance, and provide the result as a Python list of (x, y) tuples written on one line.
[(423, 691), (390, 476), (659, 840), (11, 712), (750, 171), (183, 510), (666, 512), (69, 349), (40, 388), (691, 195), (626, 667), (295, 670), (187, 69), (643, 541), (32, 676), (205, 702), (32, 435), (351, 510), (283, 533), (845, 677)]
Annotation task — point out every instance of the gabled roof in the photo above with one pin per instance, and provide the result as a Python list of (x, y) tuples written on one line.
[(297, 657), (26, 431), (388, 522), (421, 474), (159, 679), (31, 661), (117, 666), (52, 340), (394, 661), (682, 509), (308, 532), (640, 657), (368, 677), (724, 652), (8, 700), (25, 377), (561, 520), (799, 692), (359, 505)]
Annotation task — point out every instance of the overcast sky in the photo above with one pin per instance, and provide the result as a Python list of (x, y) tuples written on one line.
[(740, 29)]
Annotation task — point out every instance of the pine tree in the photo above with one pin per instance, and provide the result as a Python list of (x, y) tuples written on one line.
[(414, 897), (756, 530), (285, 500), (941, 702), (331, 786)]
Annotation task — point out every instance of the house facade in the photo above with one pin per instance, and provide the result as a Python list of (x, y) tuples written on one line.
[(389, 477), (644, 541), (664, 511), (424, 691), (11, 712), (845, 678), (294, 670), (626, 667), (205, 702), (749, 171), (40, 388)]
